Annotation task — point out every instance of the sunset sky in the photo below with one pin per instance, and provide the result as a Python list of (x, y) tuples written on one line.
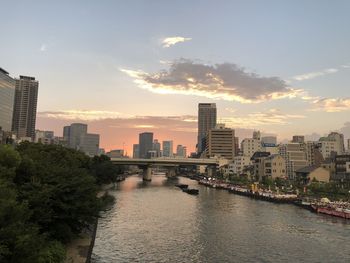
[(125, 67)]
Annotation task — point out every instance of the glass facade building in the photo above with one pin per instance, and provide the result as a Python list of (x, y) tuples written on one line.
[(7, 95)]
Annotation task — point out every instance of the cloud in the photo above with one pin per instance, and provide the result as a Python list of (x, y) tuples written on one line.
[(170, 41), (86, 115), (43, 47), (312, 75), (331, 104), (225, 81), (257, 119)]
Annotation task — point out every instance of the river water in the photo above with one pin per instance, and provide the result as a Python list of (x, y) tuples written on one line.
[(156, 222)]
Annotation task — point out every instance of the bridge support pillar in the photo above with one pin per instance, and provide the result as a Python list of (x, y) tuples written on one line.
[(211, 171), (147, 173), (171, 172)]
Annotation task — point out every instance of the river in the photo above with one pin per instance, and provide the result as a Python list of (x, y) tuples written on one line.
[(156, 222)]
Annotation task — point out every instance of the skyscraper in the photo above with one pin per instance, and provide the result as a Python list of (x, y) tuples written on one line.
[(168, 148), (7, 95), (206, 121), (24, 113), (145, 144)]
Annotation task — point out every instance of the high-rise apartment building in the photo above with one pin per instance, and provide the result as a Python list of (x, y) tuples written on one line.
[(168, 149), (221, 142), (145, 144), (7, 96), (206, 121), (25, 104)]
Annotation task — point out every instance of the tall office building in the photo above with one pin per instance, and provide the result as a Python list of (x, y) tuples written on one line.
[(181, 151), (221, 142), (168, 148), (206, 121), (77, 138), (135, 151), (73, 133), (7, 95), (24, 113), (145, 144), (156, 147), (90, 144)]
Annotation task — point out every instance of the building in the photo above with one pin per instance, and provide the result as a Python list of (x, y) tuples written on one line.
[(90, 144), (298, 139), (239, 163), (313, 154), (135, 151), (221, 142), (156, 147), (151, 154), (249, 146), (206, 121), (77, 138), (145, 144), (257, 135), (25, 104), (168, 149), (295, 156), (333, 143), (7, 96), (341, 164), (118, 153), (258, 164), (274, 167), (269, 140), (181, 151), (312, 173), (73, 134), (44, 137)]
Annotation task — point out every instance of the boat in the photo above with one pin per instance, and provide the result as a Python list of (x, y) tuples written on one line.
[(182, 186), (331, 210), (191, 191)]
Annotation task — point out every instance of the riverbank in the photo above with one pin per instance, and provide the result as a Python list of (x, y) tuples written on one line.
[(323, 205), (80, 249)]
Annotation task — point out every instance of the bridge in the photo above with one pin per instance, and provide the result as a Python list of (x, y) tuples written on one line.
[(170, 163)]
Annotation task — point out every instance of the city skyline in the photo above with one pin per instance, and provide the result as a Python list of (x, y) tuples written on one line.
[(262, 65)]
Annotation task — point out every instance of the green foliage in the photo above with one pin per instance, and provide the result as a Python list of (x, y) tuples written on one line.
[(9, 158), (104, 170), (48, 194)]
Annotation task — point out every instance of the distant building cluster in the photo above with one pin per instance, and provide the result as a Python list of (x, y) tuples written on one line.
[(148, 148), (261, 157)]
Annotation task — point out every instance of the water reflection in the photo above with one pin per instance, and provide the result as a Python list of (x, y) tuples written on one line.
[(156, 222)]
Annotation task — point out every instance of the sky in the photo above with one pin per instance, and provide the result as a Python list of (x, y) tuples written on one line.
[(125, 67)]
